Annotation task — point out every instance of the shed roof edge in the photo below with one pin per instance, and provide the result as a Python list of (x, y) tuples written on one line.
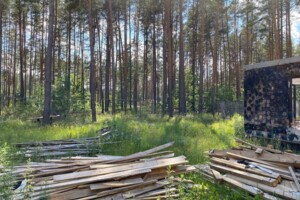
[(273, 63)]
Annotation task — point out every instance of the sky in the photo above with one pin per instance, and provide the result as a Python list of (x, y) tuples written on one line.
[(295, 26)]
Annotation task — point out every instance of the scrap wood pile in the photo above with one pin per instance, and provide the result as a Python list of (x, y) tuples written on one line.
[(258, 170), (143, 175), (80, 146)]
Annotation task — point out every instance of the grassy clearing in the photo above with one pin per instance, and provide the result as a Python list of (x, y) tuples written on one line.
[(16, 130), (193, 136)]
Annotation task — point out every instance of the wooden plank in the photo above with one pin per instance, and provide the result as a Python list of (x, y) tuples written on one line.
[(259, 151), (258, 147), (216, 174), (72, 194), (219, 176), (102, 166), (58, 171), (247, 169), (286, 193), (283, 159), (94, 179), (144, 165), (138, 191), (114, 184), (250, 189), (158, 193), (143, 153), (171, 155), (162, 172), (265, 180), (125, 189), (253, 158), (172, 196), (295, 178)]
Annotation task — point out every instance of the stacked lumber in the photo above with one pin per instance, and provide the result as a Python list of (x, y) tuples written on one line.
[(143, 175), (68, 147), (258, 170)]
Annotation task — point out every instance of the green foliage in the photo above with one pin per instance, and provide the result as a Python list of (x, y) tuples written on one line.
[(7, 179), (60, 101), (223, 93)]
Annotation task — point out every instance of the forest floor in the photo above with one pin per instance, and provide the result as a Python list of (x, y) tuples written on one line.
[(194, 135)]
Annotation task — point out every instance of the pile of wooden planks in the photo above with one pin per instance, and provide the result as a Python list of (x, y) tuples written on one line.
[(143, 175), (68, 147), (258, 170)]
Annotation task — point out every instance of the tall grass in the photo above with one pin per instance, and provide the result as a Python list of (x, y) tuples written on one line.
[(193, 134), (16, 130)]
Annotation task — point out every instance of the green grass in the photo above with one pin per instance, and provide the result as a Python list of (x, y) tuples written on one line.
[(16, 130), (194, 135)]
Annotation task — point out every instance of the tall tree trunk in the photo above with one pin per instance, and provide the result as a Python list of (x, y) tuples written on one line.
[(32, 38), (154, 67), (47, 94), (14, 68), (145, 65), (201, 56), (24, 53), (130, 58), (108, 53), (136, 71), (275, 29), (288, 29), (125, 58), (92, 62), (114, 69), (1, 14), (68, 72), (100, 67), (215, 47), (22, 92), (182, 98), (193, 58), (215, 80), (82, 69), (165, 74), (236, 55), (42, 45), (169, 56)]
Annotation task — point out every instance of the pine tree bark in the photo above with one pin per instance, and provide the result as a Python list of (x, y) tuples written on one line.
[(22, 92), (47, 94), (275, 29), (108, 53), (14, 67), (165, 86), (92, 62), (136, 71), (201, 56), (182, 97), (125, 59), (1, 14), (288, 29), (154, 66), (169, 56), (42, 45)]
